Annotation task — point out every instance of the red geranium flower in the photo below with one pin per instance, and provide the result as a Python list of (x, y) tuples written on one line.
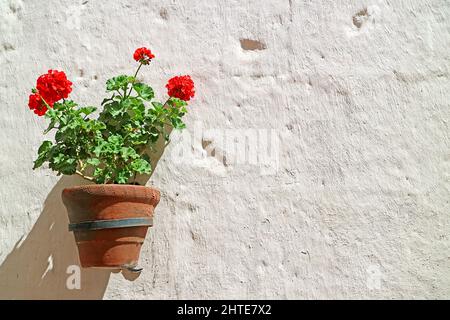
[(53, 86), (35, 103), (143, 55), (181, 87)]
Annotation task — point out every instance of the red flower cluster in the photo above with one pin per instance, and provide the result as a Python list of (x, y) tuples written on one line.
[(51, 87), (181, 87), (35, 103), (143, 55)]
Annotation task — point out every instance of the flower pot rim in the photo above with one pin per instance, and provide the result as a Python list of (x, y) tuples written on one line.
[(109, 186), (113, 190)]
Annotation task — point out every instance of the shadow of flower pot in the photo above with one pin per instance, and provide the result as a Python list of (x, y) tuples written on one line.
[(45, 264)]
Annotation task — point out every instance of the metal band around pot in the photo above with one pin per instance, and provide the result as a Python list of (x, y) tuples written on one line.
[(111, 224)]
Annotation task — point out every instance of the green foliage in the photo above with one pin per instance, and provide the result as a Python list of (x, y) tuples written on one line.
[(143, 91), (113, 147), (119, 82)]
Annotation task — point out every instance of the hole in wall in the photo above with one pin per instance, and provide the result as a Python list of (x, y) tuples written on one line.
[(360, 18), (164, 14), (248, 44)]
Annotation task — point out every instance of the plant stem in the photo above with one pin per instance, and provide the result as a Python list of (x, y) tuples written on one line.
[(137, 71), (83, 176), (81, 165), (167, 101), (135, 75), (80, 172)]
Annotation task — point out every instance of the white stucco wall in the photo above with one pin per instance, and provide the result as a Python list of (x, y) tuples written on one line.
[(351, 201)]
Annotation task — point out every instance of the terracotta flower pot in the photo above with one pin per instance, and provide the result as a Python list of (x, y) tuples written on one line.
[(110, 222)]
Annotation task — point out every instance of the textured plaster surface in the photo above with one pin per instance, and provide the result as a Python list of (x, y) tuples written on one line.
[(352, 201)]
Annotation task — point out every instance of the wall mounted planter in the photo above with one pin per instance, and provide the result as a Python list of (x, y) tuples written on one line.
[(110, 222)]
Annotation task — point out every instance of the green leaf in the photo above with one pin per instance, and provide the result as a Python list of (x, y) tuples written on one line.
[(141, 166), (98, 172), (68, 166), (114, 108), (135, 109), (122, 176), (177, 102), (99, 148), (119, 82), (59, 158), (157, 104), (177, 123), (101, 175), (64, 164), (87, 110), (43, 151), (66, 105), (50, 126), (45, 147), (94, 125), (144, 91), (93, 161), (127, 153), (74, 123), (115, 139), (114, 144)]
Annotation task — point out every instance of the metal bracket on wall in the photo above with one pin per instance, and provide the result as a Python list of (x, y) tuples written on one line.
[(133, 269)]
